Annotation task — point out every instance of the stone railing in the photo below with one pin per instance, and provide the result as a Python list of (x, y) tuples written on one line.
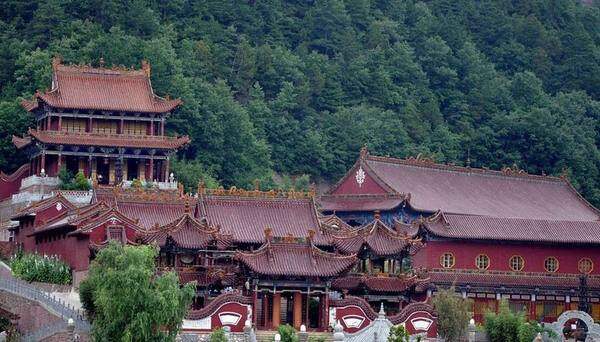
[(159, 185), (77, 197), (39, 181)]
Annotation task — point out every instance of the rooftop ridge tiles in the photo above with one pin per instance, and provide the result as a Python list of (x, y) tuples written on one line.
[(506, 172)]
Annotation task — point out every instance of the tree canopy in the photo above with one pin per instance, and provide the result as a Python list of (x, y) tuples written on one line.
[(296, 87), (127, 301)]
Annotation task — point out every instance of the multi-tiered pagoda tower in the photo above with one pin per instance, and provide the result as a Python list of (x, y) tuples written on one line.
[(107, 123)]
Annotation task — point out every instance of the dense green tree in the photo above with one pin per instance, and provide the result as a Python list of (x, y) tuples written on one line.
[(152, 312), (297, 87)]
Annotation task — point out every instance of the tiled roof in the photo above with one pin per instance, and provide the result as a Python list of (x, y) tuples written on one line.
[(387, 284), (464, 190), (109, 140), (360, 202), (152, 213), (376, 236), (508, 279), (513, 229), (295, 259), (21, 142), (246, 218), (84, 87), (43, 204), (187, 232)]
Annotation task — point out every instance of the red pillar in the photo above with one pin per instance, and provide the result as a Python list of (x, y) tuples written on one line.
[(59, 123), (43, 161), (532, 310), (265, 310), (276, 310), (121, 125), (166, 169), (254, 301), (162, 126), (90, 129), (297, 310), (150, 172), (326, 317)]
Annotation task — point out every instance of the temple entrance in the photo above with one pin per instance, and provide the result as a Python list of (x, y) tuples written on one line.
[(102, 170), (314, 312), (132, 169)]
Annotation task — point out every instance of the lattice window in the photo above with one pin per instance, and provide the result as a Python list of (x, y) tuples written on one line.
[(115, 233), (551, 264), (482, 262), (516, 263), (447, 260), (105, 127), (73, 125), (585, 265)]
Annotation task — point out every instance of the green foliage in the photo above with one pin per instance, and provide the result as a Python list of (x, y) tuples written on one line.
[(218, 336), (153, 312), (316, 339), (510, 326), (453, 315), (297, 87), (136, 183), (288, 333), (190, 173), (398, 334), (45, 269), (68, 182)]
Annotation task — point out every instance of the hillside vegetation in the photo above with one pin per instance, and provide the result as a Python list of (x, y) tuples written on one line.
[(297, 87)]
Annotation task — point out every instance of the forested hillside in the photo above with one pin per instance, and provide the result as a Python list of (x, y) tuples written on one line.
[(297, 87)]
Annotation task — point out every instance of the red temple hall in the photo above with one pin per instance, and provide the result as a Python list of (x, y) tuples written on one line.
[(381, 241), (107, 123)]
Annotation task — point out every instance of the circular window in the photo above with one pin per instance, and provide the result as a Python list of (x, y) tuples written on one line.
[(551, 264), (585, 265), (482, 262), (447, 260), (516, 263)]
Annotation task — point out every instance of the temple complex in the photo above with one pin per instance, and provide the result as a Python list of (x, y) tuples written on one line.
[(385, 238)]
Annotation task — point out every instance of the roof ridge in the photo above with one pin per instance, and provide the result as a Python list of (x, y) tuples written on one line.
[(507, 172)]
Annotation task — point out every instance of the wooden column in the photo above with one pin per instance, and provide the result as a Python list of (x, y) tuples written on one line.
[(265, 310), (162, 126), (43, 161), (141, 170), (59, 163), (59, 123), (276, 310), (254, 302), (121, 126), (151, 127), (90, 128), (326, 302), (111, 172), (166, 169), (297, 310), (151, 170), (48, 122)]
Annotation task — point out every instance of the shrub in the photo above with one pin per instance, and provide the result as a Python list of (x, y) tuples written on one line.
[(136, 183), (45, 269), (288, 333), (453, 315), (398, 334), (218, 336), (505, 325), (68, 182)]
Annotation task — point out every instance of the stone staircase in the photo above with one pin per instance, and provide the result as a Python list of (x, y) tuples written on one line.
[(268, 336)]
